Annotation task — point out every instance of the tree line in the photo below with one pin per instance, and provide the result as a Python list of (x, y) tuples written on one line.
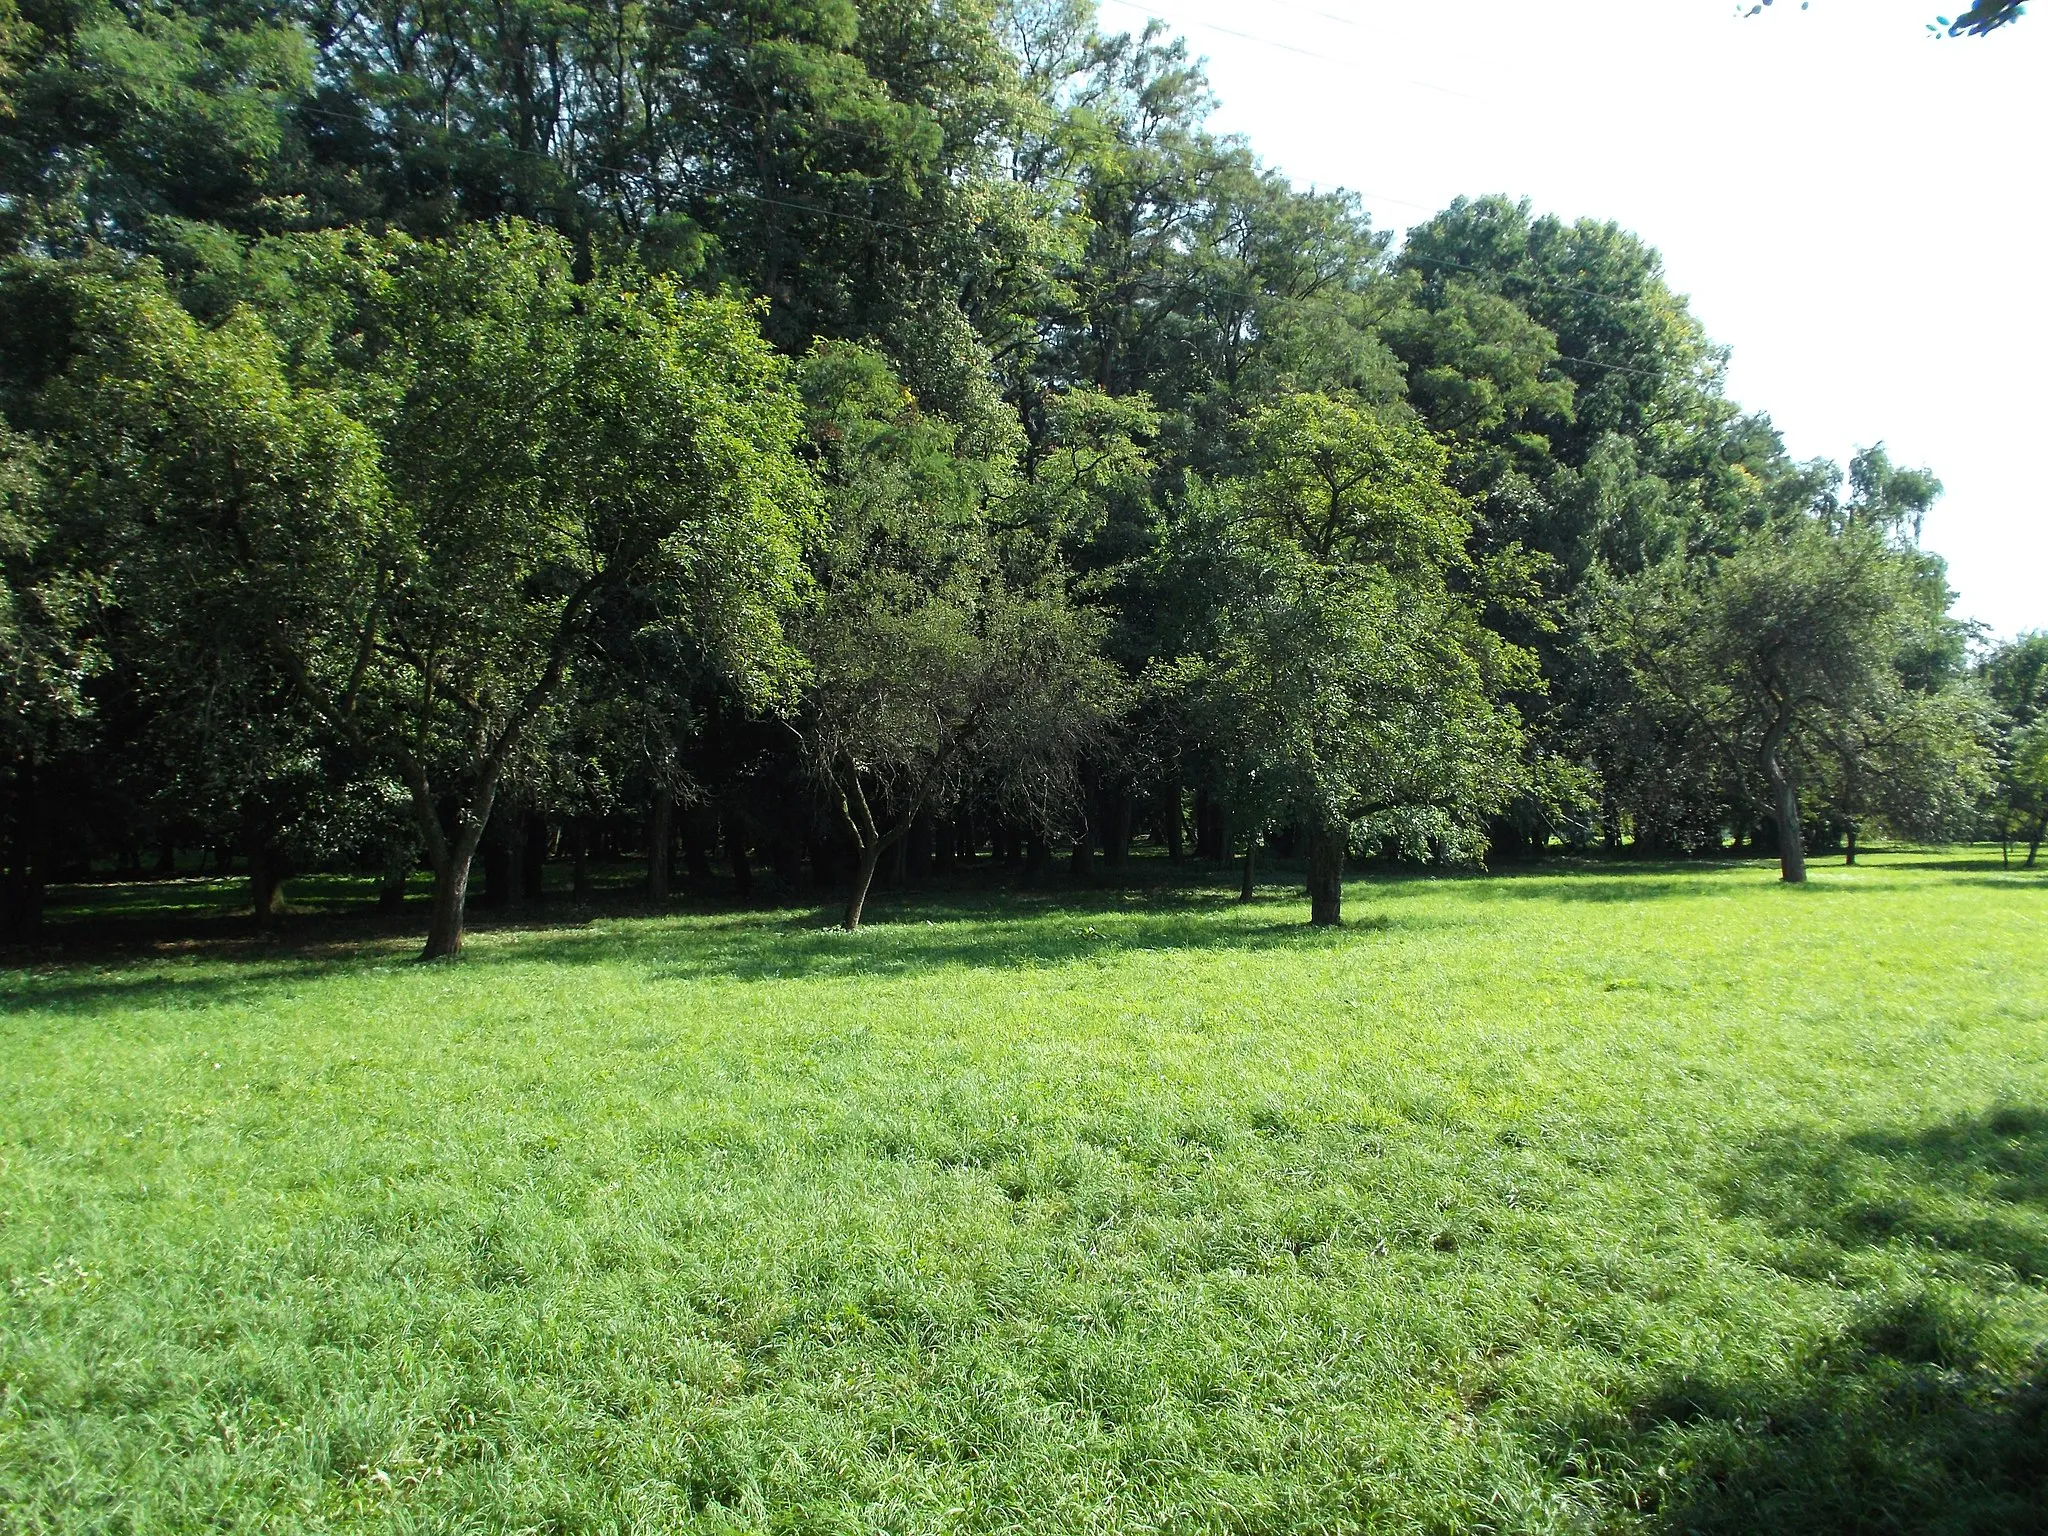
[(847, 435)]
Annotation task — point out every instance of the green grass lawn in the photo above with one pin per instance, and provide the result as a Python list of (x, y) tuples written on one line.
[(1606, 1199)]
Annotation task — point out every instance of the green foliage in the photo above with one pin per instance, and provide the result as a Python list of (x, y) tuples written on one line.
[(483, 324), (2015, 676), (417, 551), (144, 124), (46, 647), (934, 671), (1349, 684), (1793, 658), (2025, 811)]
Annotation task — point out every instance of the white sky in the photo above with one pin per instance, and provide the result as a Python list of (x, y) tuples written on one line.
[(1857, 209)]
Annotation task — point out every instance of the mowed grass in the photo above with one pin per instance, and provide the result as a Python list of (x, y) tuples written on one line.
[(1605, 1199)]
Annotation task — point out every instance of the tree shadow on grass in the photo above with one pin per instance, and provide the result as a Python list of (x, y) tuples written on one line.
[(1618, 878), (1021, 933), (2033, 881), (1979, 864), (1928, 1410), (1974, 1189), (932, 930), (244, 970)]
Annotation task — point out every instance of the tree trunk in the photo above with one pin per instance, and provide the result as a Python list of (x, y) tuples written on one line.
[(1326, 876), (1116, 832), (1851, 853), (451, 885), (579, 858), (1176, 833), (451, 864), (661, 826), (266, 881), (2033, 847), (533, 857), (391, 886), (1084, 855), (451, 891), (863, 878), (1251, 854), (736, 857), (1791, 851)]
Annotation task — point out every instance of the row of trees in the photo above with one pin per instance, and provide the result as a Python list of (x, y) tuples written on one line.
[(878, 431)]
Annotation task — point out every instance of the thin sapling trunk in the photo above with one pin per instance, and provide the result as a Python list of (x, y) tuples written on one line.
[(661, 824)]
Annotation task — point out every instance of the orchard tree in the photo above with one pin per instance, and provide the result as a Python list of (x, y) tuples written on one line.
[(2015, 676), (550, 445), (1918, 763), (47, 655), (932, 672), (421, 545), (2024, 813), (1779, 653), (190, 485), (1351, 673)]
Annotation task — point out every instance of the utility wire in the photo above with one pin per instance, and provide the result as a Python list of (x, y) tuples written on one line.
[(1270, 42)]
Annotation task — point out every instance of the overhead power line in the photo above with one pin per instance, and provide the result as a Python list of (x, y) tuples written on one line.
[(1294, 48)]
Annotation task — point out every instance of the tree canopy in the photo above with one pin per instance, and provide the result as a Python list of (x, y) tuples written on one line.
[(863, 437)]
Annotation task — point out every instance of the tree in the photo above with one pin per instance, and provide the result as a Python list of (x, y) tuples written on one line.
[(1350, 678), (1781, 652), (420, 546), (47, 655), (2015, 676), (1916, 762), (146, 126), (932, 672), (2026, 781)]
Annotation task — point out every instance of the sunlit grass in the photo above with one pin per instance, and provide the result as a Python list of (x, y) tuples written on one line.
[(1601, 1199)]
